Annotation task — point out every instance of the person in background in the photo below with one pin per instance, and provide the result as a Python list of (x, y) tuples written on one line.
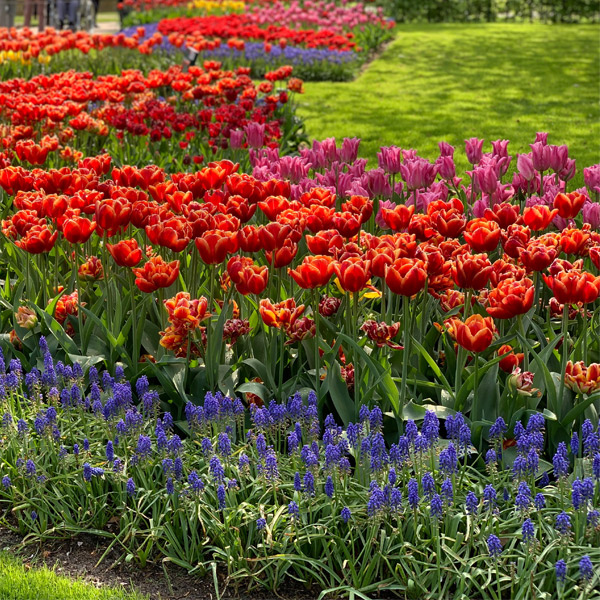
[(70, 8), (40, 7)]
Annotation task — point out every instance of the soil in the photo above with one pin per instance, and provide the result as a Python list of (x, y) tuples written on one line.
[(78, 558)]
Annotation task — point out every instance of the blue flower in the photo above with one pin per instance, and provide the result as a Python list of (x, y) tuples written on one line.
[(6, 482), (224, 445), (563, 523), (560, 568), (471, 503), (428, 484), (413, 493), (293, 511), (329, 486), (494, 546), (309, 483), (448, 460), (110, 451), (575, 444), (130, 487), (586, 569), (346, 514), (489, 497), (528, 531), (170, 486), (447, 490), (436, 509), (376, 500), (221, 497), (490, 457), (523, 498), (87, 471), (560, 461), (539, 501), (596, 465), (261, 523), (216, 469)]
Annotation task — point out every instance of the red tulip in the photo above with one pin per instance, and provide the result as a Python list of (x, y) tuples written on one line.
[(569, 205), (126, 253), (155, 274), (471, 272), (214, 246), (475, 334), (482, 235), (353, 273), (315, 271), (511, 298), (406, 276)]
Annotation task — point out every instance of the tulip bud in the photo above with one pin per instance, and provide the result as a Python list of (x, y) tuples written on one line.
[(26, 317)]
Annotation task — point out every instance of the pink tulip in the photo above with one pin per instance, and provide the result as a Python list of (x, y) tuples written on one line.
[(349, 150), (541, 137), (568, 171), (558, 157), (446, 149), (389, 159), (540, 156), (255, 133), (525, 166), (418, 173), (236, 139), (487, 179), (591, 214), (446, 167), (591, 176), (474, 149), (500, 148)]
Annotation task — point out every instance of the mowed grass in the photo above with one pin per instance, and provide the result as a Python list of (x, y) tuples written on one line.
[(455, 81), (18, 583)]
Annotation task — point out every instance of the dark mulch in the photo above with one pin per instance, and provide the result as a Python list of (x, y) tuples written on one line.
[(78, 558)]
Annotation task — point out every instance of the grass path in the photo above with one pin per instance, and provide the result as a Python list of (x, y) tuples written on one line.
[(19, 583), (451, 82)]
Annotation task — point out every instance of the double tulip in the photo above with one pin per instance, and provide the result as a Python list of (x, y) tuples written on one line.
[(475, 334), (155, 274)]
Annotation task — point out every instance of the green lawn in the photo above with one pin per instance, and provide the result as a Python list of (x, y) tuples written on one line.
[(451, 82), (17, 583)]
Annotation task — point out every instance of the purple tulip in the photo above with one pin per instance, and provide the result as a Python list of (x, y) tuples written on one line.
[(255, 133), (591, 176), (558, 157), (540, 156), (236, 139), (446, 167), (474, 149), (500, 148), (446, 149), (525, 166), (389, 159), (487, 179), (418, 173), (349, 150), (541, 137), (591, 214), (568, 171)]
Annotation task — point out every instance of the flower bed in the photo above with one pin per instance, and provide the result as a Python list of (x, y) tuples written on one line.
[(480, 284), (190, 114), (284, 496)]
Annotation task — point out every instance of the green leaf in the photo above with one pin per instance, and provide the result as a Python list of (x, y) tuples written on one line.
[(578, 410), (338, 390), (253, 387)]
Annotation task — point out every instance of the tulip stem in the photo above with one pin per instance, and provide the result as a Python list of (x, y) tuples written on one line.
[(523, 333), (406, 351), (78, 287), (281, 355), (135, 349), (105, 260), (565, 353), (476, 388), (383, 298), (317, 358), (356, 357), (585, 326)]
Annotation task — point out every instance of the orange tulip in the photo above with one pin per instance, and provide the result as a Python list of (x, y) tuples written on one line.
[(155, 274), (398, 219), (482, 235), (511, 298), (510, 360), (582, 379), (353, 273), (315, 271), (280, 315), (475, 334), (471, 271), (569, 205), (570, 287), (406, 276), (538, 217)]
